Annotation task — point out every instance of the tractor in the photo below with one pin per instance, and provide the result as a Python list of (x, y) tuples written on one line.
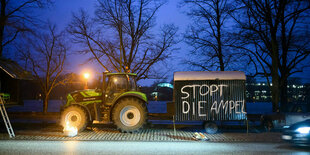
[(118, 101)]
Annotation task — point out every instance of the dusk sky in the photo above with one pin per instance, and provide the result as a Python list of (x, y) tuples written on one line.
[(61, 14)]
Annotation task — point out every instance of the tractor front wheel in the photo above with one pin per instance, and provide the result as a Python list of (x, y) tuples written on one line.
[(74, 116), (129, 114)]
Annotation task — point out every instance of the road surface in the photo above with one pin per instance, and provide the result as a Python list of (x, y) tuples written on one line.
[(121, 147)]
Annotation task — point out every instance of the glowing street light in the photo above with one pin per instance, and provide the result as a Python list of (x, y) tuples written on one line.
[(86, 76)]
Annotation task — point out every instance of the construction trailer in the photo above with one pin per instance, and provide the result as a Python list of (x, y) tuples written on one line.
[(208, 96)]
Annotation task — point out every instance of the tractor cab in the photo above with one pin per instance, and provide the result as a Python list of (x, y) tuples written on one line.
[(120, 82), (117, 84)]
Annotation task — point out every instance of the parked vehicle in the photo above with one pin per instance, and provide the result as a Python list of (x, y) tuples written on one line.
[(298, 133), (272, 120), (118, 101)]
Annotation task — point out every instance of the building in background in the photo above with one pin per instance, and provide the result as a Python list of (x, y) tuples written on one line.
[(162, 92), (11, 78), (260, 91)]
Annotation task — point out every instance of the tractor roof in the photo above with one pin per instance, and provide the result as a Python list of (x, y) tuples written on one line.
[(130, 74), (14, 70), (209, 75)]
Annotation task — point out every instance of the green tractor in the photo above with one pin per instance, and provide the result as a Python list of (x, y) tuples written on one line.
[(118, 101)]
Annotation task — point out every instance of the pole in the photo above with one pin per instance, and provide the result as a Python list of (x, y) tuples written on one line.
[(247, 126), (85, 84), (175, 133)]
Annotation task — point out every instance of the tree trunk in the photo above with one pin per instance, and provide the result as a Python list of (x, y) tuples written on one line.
[(275, 93), (2, 23), (219, 37), (222, 66), (1, 39), (45, 103), (274, 72), (283, 97)]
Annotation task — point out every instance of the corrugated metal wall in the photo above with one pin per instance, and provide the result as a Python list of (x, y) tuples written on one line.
[(210, 100)]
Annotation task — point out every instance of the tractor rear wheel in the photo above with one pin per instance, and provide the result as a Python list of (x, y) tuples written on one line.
[(129, 114), (74, 116)]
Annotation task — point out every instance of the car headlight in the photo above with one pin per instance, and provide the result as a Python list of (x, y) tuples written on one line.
[(303, 130)]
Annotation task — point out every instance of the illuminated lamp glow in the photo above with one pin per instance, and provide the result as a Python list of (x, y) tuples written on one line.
[(86, 75), (70, 131)]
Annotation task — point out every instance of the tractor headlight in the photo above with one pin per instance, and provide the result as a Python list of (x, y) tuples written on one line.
[(303, 130)]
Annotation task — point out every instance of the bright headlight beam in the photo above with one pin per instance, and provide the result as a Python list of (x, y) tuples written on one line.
[(303, 130)]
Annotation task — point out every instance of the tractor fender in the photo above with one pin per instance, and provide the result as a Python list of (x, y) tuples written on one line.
[(138, 95), (83, 106)]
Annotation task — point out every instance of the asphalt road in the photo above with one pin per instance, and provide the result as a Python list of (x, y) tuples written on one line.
[(121, 147)]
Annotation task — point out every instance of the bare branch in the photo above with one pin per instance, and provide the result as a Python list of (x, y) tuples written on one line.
[(119, 37)]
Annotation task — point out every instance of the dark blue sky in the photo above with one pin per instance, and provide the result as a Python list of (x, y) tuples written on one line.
[(61, 14)]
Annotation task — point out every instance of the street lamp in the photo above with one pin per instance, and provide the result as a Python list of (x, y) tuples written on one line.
[(86, 76)]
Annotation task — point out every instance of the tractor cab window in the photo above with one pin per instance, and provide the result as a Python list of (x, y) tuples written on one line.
[(132, 83), (117, 83)]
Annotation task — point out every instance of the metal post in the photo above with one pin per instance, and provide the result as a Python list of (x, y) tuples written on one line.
[(247, 126), (174, 130)]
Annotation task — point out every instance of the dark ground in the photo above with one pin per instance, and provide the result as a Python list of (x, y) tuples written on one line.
[(31, 124)]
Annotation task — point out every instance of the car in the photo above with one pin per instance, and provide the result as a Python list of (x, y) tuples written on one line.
[(298, 133)]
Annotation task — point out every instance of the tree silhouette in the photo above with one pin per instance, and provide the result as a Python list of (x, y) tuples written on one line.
[(46, 52), (17, 17), (119, 37), (275, 36), (209, 35)]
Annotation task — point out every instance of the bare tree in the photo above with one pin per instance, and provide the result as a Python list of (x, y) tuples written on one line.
[(119, 37), (209, 34), (46, 53), (275, 36), (17, 17)]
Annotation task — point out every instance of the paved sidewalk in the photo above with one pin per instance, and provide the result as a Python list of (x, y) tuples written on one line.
[(52, 132)]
